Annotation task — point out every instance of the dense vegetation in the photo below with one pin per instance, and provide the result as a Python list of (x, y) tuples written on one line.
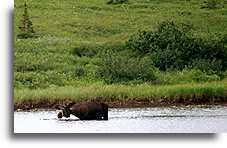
[(170, 47), (120, 43)]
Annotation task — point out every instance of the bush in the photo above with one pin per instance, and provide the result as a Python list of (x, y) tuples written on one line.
[(117, 68), (80, 71), (213, 4), (25, 62), (84, 51), (25, 35), (170, 47), (35, 80), (117, 1), (207, 65), (199, 76), (93, 50)]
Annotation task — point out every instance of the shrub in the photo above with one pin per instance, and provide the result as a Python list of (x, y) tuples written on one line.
[(165, 45), (84, 51), (170, 47), (199, 76), (207, 65), (166, 36), (79, 71), (25, 35), (35, 80), (117, 1), (27, 61), (117, 68), (213, 4)]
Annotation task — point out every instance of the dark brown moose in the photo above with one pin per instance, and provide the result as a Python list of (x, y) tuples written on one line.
[(85, 111)]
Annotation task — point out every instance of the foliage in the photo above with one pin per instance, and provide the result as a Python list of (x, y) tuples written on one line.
[(213, 4), (117, 1), (170, 47), (117, 68), (207, 65), (80, 71), (185, 76), (84, 51), (26, 27), (34, 80)]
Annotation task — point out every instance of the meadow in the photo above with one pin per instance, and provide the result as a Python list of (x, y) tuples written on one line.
[(89, 49)]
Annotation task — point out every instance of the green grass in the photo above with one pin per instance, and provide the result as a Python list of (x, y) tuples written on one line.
[(117, 91), (44, 67)]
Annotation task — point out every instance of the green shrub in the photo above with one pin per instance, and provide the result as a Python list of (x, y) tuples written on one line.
[(165, 45), (199, 76), (117, 1), (213, 4), (25, 35), (84, 51), (117, 68), (91, 71), (207, 65), (80, 71), (96, 49), (170, 47), (25, 62), (35, 80), (167, 35)]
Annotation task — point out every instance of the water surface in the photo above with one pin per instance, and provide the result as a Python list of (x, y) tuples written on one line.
[(133, 120)]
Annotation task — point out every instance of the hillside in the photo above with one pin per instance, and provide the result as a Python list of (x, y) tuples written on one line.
[(72, 36)]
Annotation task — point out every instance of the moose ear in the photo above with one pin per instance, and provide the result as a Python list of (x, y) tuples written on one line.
[(70, 104)]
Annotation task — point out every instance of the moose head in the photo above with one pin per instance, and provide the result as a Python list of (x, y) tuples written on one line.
[(65, 110)]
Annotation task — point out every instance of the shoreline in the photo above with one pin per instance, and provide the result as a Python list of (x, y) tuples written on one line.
[(127, 103), (122, 96)]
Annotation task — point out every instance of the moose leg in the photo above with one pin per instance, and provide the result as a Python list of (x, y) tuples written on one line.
[(105, 115), (102, 115), (99, 115), (105, 112)]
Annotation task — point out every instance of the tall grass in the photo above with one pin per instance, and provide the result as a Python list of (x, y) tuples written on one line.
[(117, 91)]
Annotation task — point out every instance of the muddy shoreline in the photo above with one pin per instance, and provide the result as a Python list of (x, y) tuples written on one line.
[(126, 103)]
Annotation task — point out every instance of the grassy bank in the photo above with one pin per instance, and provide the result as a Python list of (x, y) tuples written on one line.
[(153, 95), (120, 54)]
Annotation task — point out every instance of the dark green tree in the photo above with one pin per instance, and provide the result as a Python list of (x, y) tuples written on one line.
[(26, 26)]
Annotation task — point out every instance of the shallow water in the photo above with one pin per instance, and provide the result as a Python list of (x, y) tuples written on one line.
[(133, 120)]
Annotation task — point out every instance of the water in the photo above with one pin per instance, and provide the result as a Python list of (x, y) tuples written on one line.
[(134, 120)]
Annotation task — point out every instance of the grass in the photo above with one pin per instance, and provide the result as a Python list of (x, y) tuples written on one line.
[(44, 67), (117, 91)]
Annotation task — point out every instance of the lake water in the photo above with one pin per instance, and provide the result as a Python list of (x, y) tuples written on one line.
[(133, 120)]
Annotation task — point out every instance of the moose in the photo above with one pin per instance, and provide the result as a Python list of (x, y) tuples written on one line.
[(85, 111)]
